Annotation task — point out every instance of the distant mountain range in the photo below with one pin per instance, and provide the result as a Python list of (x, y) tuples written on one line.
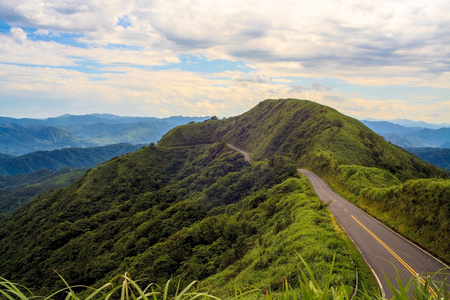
[(411, 136), (427, 141), (58, 159), (22, 136)]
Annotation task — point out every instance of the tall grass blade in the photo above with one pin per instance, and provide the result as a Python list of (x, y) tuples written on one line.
[(166, 290), (179, 296)]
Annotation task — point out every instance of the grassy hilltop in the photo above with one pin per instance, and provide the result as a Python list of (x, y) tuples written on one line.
[(192, 205)]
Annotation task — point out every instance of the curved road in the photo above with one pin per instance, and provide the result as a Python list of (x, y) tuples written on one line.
[(246, 155), (384, 250)]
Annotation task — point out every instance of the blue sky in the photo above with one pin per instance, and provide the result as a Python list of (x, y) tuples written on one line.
[(379, 60)]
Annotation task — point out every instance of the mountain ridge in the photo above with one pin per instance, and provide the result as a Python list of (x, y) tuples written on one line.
[(265, 130)]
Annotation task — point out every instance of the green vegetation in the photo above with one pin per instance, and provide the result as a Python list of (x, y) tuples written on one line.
[(16, 190), (193, 207), (345, 152), (59, 159), (125, 288), (437, 156), (417, 208), (200, 211)]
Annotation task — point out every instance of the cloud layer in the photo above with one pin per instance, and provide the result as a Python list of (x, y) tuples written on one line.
[(129, 57)]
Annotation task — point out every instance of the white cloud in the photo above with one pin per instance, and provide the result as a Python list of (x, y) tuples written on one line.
[(373, 43)]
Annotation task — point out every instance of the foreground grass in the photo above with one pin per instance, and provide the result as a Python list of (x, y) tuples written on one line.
[(124, 288)]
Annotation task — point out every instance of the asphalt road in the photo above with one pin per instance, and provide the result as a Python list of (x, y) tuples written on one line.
[(384, 250)]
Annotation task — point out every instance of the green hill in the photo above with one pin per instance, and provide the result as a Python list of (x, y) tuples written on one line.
[(191, 205), (346, 153), (310, 134), (162, 211)]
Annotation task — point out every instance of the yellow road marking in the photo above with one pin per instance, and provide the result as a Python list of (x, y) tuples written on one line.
[(390, 250), (345, 210)]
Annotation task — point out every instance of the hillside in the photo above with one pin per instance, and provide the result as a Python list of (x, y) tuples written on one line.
[(349, 155), (192, 205), (437, 156), (59, 159), (15, 190), (162, 211)]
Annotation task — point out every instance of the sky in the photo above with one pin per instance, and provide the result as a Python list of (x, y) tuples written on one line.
[(367, 59)]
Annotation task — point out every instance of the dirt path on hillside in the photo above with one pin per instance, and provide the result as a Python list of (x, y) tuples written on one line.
[(246, 155)]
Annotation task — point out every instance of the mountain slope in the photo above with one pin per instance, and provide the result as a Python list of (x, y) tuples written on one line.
[(19, 189), (59, 159), (353, 158), (310, 134), (161, 211)]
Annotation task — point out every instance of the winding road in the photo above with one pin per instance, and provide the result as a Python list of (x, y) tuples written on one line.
[(384, 250)]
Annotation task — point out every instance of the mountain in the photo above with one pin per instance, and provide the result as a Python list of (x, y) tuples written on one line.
[(68, 119), (311, 134), (22, 136), (437, 137), (192, 205), (59, 159)]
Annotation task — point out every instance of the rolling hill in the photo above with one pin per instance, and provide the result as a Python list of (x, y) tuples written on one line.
[(192, 205)]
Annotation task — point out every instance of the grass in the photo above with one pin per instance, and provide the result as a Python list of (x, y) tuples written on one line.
[(124, 288)]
